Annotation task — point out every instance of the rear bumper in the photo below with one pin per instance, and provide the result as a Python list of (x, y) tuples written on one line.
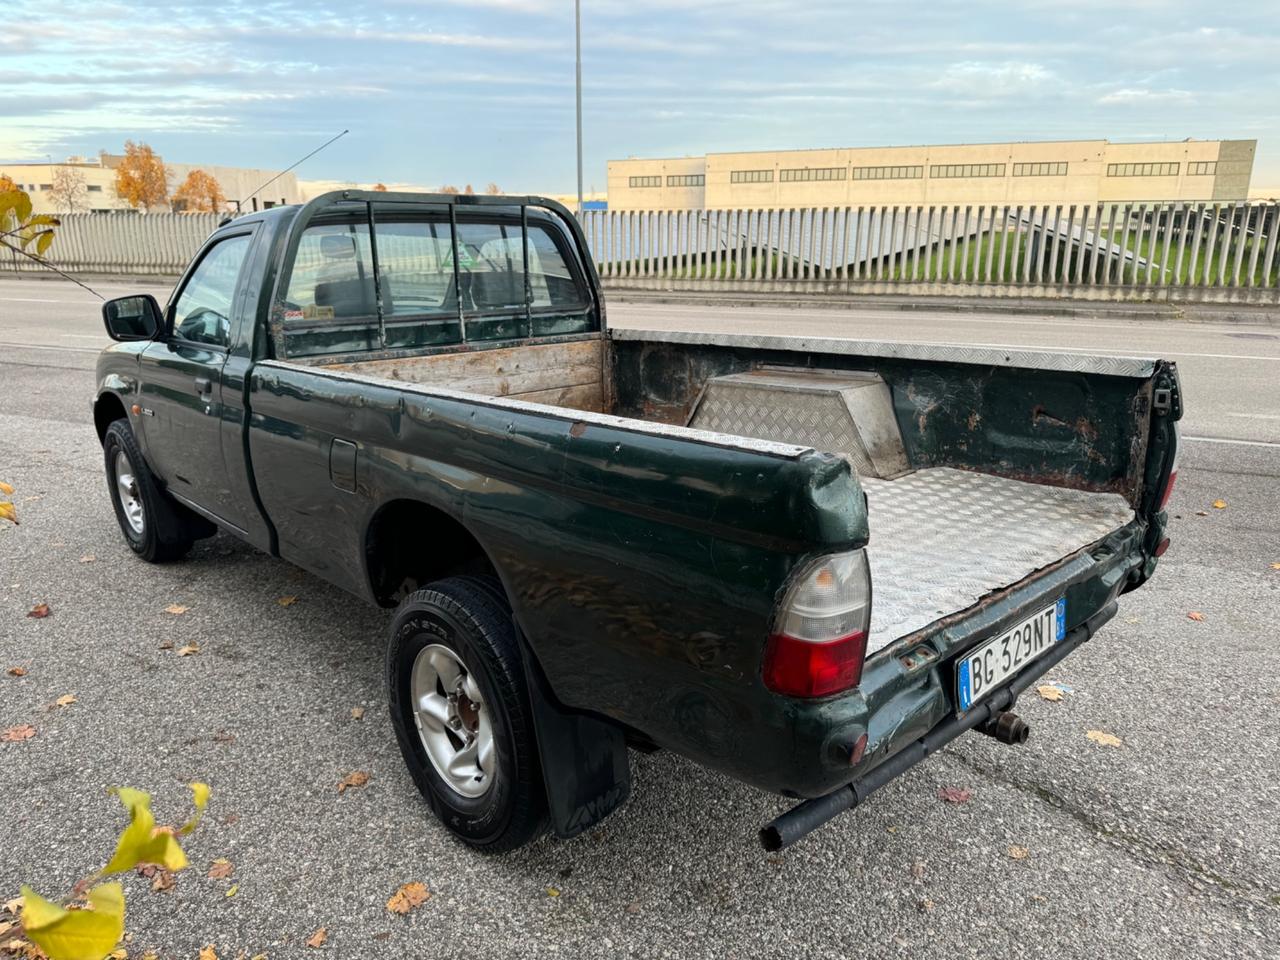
[(810, 814)]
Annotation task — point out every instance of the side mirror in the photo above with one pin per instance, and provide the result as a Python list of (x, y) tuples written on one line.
[(133, 318)]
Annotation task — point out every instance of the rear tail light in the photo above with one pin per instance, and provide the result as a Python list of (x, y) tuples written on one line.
[(820, 639)]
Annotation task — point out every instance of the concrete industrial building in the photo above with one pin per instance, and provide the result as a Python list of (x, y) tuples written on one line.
[(1075, 171), (99, 176)]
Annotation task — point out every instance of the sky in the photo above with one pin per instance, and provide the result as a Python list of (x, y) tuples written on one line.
[(479, 91)]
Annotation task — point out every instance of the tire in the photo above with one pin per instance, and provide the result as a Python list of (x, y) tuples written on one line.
[(153, 525), (496, 808)]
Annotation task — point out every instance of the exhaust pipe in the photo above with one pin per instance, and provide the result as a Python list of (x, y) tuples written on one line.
[(1007, 727)]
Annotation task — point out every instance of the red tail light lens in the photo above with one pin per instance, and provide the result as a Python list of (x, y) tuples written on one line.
[(803, 668), (820, 638), (1168, 490)]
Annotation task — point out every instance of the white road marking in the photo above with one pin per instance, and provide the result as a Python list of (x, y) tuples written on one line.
[(1256, 416), (1243, 443), (37, 300)]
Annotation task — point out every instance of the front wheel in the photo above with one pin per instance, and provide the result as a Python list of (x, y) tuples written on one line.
[(152, 524), (460, 709)]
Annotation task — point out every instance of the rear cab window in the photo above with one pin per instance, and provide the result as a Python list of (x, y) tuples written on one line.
[(374, 276)]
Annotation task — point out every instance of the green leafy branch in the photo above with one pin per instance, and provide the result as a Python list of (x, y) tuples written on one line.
[(89, 922), (20, 229)]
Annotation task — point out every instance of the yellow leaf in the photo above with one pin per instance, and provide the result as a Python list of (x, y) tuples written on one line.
[(407, 897), (552, 892), (1196, 615), (1104, 739), (1019, 853), (76, 934), (66, 700), (8, 512), (140, 842), (287, 601), (176, 609), (6, 489), (1049, 692), (1219, 504), (233, 890), (208, 953), (318, 938), (200, 797), (1275, 566)]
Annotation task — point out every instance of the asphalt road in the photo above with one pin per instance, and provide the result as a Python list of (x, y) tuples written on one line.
[(1166, 846)]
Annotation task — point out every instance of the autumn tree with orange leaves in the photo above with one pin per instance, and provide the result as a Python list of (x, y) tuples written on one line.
[(141, 177), (199, 193), (380, 187)]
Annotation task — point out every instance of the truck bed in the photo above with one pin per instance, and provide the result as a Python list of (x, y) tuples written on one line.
[(942, 539)]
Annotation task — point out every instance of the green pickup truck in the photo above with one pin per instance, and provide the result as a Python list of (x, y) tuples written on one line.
[(805, 562)]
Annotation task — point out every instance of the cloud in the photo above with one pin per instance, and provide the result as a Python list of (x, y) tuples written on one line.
[(1140, 96)]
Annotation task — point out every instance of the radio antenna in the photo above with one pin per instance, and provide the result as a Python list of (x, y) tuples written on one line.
[(287, 169)]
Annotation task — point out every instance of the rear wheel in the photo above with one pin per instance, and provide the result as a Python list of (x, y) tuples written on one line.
[(155, 527), (460, 709)]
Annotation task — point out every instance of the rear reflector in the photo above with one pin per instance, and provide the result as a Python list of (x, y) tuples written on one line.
[(1168, 490), (806, 668), (1161, 547)]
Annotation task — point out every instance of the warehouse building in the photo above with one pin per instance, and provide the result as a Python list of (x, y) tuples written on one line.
[(1075, 171)]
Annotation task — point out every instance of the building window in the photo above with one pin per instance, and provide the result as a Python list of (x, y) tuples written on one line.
[(888, 173), (645, 182), (686, 180), (953, 170), (1142, 169), (1040, 169), (751, 176), (797, 174), (94, 188), (46, 186), (1202, 168)]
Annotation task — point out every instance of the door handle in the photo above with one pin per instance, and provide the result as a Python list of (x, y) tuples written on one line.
[(204, 386)]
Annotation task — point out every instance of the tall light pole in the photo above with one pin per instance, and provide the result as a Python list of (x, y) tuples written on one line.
[(577, 44)]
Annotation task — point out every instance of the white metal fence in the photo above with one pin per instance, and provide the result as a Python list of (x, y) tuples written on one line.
[(1194, 251)]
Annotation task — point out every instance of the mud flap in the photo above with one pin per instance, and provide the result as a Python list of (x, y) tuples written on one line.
[(584, 759)]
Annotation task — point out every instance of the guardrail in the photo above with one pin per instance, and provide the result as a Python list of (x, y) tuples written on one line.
[(1222, 252), (1143, 251)]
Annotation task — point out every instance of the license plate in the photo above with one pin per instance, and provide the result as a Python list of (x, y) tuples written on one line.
[(986, 667)]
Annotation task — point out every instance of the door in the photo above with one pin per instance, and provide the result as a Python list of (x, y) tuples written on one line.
[(181, 391)]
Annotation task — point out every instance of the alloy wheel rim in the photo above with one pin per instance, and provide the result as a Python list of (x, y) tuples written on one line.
[(453, 721), (129, 494)]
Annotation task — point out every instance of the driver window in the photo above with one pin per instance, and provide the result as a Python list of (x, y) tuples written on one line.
[(203, 310)]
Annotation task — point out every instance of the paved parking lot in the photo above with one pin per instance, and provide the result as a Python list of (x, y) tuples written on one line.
[(1166, 846)]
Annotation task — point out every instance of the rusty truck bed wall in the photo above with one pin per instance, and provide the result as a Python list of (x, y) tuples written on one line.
[(1060, 419)]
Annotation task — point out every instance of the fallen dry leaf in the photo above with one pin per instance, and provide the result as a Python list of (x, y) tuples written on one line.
[(17, 671), (1048, 691), (552, 892), (188, 650), (1195, 615), (356, 778), (223, 737), (1219, 504), (233, 890), (357, 713), (166, 645), (1018, 853), (1202, 513), (955, 795), (208, 953), (1275, 566), (1104, 739), (318, 938), (6, 488), (39, 611), (23, 731), (634, 907), (88, 558), (163, 880), (13, 906), (925, 906), (288, 602), (8, 512), (176, 609), (65, 700), (220, 869), (917, 870), (407, 897)]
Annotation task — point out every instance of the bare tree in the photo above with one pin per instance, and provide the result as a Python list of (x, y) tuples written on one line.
[(68, 190), (469, 191), (493, 190), (447, 188)]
